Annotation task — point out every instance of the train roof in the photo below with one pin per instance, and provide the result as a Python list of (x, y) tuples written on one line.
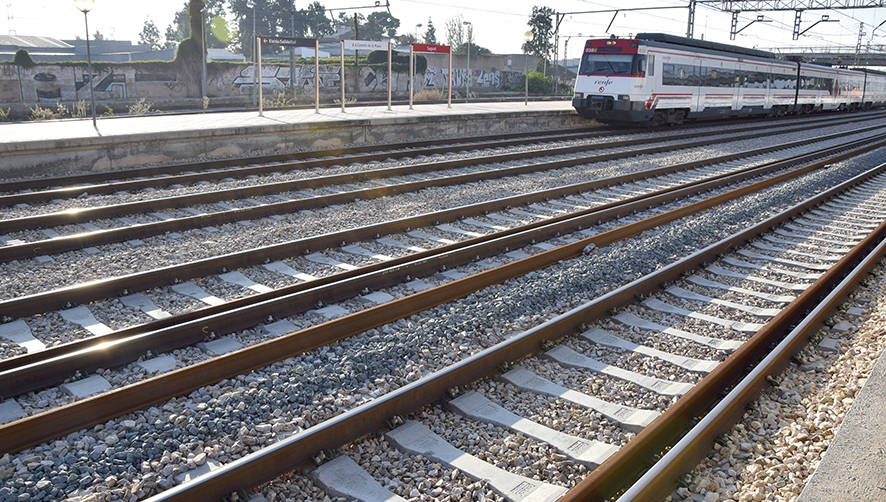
[(704, 44)]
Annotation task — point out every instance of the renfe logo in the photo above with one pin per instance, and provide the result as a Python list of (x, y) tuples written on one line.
[(603, 82)]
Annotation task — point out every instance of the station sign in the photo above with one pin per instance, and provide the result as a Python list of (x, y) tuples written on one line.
[(438, 49), (365, 45), (289, 41)]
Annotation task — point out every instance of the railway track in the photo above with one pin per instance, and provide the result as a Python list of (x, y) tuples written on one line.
[(307, 193), (152, 177), (23, 374), (603, 352), (600, 211)]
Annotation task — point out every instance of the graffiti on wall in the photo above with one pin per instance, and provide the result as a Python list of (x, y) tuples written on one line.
[(436, 77), (48, 82)]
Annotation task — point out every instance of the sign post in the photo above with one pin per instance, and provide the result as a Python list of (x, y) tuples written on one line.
[(343, 75), (449, 84), (411, 72), (290, 42), (389, 75), (432, 49), (316, 75), (261, 78)]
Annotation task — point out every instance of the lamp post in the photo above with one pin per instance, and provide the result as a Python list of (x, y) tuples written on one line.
[(468, 80), (85, 6)]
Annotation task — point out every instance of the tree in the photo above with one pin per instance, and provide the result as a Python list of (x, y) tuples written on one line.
[(150, 35), (276, 18), (180, 28), (22, 59), (455, 31), (98, 35), (476, 50), (315, 21), (405, 39), (430, 36), (542, 29), (380, 25)]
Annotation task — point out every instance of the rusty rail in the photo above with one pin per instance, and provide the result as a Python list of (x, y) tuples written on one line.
[(178, 224), (639, 454), (309, 159), (299, 449), (93, 290), (53, 423)]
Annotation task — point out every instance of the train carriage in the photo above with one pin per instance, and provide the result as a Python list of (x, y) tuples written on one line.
[(656, 78)]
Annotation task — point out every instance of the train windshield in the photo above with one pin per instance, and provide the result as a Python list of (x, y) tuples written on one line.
[(594, 63)]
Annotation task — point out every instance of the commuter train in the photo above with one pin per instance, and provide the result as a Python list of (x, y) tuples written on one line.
[(664, 79)]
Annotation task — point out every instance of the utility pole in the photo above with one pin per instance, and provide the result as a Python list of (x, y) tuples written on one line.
[(558, 18), (690, 23), (861, 35)]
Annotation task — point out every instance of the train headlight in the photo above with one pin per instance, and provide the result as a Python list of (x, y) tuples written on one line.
[(624, 97), (578, 95)]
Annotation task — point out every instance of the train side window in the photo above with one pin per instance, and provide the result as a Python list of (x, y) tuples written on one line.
[(639, 66)]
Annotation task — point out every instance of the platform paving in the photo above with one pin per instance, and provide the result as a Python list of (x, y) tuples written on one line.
[(854, 465), (111, 127)]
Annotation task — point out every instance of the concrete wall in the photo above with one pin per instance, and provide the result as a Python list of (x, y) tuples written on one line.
[(97, 154), (52, 83)]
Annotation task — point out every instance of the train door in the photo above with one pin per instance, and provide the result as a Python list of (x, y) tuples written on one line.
[(698, 85)]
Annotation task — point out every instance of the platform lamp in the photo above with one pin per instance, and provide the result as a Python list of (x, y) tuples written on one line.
[(527, 37), (85, 6)]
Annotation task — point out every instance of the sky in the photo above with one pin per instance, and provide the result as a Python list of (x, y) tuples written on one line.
[(498, 25)]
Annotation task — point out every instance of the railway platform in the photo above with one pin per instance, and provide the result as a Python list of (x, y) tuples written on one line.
[(854, 466), (62, 147)]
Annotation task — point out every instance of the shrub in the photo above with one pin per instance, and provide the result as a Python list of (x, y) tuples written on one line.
[(428, 95), (539, 84), (140, 107), (399, 62), (205, 102), (23, 58), (276, 100), (4, 114), (40, 113), (108, 112), (78, 109)]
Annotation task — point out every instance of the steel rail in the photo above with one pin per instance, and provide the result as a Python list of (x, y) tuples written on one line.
[(309, 159), (734, 376), (39, 370), (300, 448), (696, 444), (93, 290), (67, 217), (99, 237), (392, 149), (50, 424)]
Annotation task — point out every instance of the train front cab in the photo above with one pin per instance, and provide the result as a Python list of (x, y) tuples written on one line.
[(611, 72)]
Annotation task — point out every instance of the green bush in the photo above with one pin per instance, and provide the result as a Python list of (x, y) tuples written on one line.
[(399, 61), (23, 58), (188, 51), (539, 84)]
